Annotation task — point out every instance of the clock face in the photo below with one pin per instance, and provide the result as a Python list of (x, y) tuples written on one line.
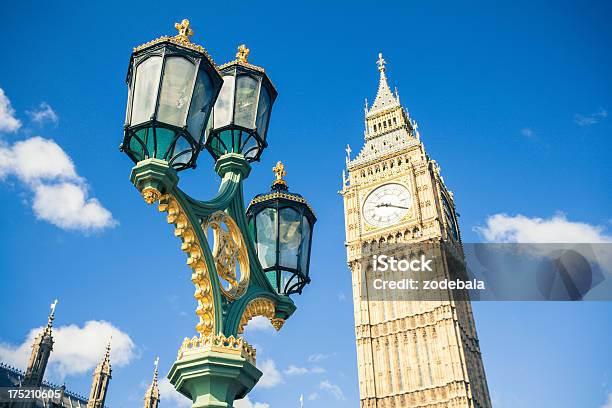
[(450, 219), (387, 205)]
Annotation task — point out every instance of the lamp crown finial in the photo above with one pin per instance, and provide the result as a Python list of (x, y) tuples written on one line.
[(280, 172), (243, 53), (184, 30)]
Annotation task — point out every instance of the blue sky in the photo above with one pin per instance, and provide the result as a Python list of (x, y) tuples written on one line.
[(512, 100)]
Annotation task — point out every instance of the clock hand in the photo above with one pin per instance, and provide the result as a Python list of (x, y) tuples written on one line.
[(392, 205)]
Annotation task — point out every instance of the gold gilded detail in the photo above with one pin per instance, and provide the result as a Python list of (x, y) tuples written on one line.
[(229, 251), (150, 194), (280, 172), (200, 275), (242, 59), (278, 194), (218, 343), (278, 323), (184, 31), (182, 39), (257, 307), (243, 53)]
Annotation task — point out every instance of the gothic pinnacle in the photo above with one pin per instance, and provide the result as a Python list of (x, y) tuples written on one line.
[(51, 316)]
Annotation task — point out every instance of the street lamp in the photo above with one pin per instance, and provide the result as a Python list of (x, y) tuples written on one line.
[(281, 223), (173, 85), (240, 117)]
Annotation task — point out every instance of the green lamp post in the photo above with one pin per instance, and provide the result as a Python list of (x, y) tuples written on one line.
[(173, 85)]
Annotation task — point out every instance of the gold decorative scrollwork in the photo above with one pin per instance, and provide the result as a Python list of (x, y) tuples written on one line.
[(219, 343), (229, 251), (200, 276), (150, 194), (260, 307)]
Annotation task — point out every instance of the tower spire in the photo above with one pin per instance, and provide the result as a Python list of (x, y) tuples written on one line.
[(101, 378), (384, 97), (41, 351), (151, 399)]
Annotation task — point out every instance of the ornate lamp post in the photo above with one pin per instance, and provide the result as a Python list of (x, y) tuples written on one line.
[(173, 85)]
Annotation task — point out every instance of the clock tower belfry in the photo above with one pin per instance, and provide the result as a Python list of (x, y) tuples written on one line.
[(411, 351)]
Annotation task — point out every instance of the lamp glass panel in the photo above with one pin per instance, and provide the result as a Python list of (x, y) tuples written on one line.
[(289, 237), (145, 89), (246, 101), (200, 105), (285, 277), (224, 104), (267, 227), (250, 146), (164, 139), (263, 110), (176, 91), (182, 148), (304, 246), (128, 108), (136, 147)]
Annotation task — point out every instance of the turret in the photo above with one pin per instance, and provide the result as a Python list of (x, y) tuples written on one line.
[(151, 399), (41, 350), (101, 378)]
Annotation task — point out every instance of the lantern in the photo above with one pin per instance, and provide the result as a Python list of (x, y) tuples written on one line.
[(281, 224), (240, 117), (173, 85)]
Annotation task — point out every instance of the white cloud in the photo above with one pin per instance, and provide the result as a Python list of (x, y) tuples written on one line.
[(44, 113), (65, 205), (295, 370), (504, 228), (333, 389), (529, 133), (608, 403), (315, 358), (60, 194), (76, 350), (341, 297), (38, 159), (313, 396), (8, 121), (246, 403), (591, 118), (170, 396), (261, 323), (271, 376)]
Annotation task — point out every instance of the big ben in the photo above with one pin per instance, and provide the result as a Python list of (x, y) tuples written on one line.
[(412, 351)]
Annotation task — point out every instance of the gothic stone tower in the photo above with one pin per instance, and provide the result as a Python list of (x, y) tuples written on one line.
[(41, 351), (99, 385), (151, 398), (411, 351)]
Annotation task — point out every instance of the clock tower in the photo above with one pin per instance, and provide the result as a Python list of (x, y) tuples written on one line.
[(412, 350)]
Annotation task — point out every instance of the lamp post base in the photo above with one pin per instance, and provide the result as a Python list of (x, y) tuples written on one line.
[(211, 376)]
